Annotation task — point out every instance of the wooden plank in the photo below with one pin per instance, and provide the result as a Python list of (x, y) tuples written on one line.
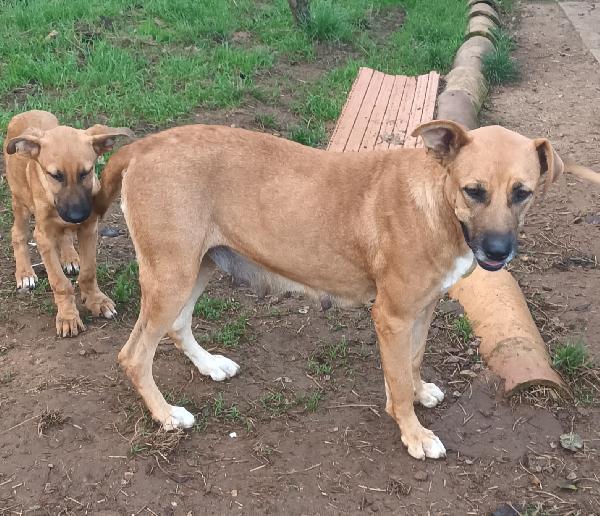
[(399, 133), (416, 111), (374, 126), (391, 114), (350, 111), (430, 98), (364, 114)]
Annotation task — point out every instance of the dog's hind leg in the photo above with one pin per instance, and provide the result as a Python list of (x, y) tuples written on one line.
[(24, 274), (217, 367), (69, 258), (427, 394), (165, 290)]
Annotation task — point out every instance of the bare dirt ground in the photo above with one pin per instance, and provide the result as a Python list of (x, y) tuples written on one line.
[(302, 429)]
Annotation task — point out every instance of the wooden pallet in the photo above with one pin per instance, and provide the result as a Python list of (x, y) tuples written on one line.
[(382, 110)]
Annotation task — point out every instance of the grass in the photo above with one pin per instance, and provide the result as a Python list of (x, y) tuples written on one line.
[(312, 400), (230, 335), (212, 309), (276, 403), (498, 66), (571, 358), (463, 328), (126, 289), (325, 361), (89, 61)]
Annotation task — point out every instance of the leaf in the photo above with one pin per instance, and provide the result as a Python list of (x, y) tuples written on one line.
[(571, 441)]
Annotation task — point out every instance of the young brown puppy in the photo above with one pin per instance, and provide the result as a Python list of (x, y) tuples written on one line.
[(398, 227), (50, 172)]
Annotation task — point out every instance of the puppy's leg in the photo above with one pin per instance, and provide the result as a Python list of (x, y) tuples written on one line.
[(427, 394), (24, 274), (67, 318), (394, 326), (95, 301), (217, 367), (164, 293), (68, 256)]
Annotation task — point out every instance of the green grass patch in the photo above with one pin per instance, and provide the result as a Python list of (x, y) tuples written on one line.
[(126, 288), (499, 67), (276, 403), (6, 216), (231, 334), (212, 309), (463, 329), (571, 358), (327, 359), (313, 400)]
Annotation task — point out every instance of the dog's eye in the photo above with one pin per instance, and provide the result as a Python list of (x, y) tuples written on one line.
[(520, 194), (57, 176), (476, 193), (83, 175)]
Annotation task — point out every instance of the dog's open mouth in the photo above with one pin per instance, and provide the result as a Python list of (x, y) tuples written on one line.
[(491, 265)]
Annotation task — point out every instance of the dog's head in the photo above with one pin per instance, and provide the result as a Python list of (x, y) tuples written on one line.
[(493, 174), (67, 157)]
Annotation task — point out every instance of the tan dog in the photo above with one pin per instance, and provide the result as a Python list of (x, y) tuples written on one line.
[(50, 171), (583, 172), (398, 227)]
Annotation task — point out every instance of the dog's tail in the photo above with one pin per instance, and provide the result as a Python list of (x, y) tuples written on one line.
[(111, 179), (583, 172)]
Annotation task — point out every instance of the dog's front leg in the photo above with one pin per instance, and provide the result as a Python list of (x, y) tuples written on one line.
[(24, 274), (97, 302), (395, 328), (68, 322)]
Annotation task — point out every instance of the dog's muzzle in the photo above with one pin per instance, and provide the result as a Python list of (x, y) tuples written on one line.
[(492, 250)]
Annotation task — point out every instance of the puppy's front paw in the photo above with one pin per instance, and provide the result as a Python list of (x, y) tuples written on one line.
[(71, 268), (218, 367), (423, 443), (68, 324), (178, 418), (26, 280), (429, 395), (100, 305), (69, 259)]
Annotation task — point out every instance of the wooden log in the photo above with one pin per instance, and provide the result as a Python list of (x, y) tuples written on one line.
[(472, 52), (484, 9), (481, 26)]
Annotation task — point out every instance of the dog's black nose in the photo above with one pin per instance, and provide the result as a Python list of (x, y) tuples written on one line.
[(75, 214), (498, 246)]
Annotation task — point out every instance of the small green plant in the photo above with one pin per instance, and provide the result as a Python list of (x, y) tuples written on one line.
[(275, 403), (265, 121), (43, 285), (126, 288), (498, 66), (329, 21), (311, 402), (231, 333), (211, 309), (311, 134), (463, 328), (328, 358), (319, 368), (570, 358), (218, 405)]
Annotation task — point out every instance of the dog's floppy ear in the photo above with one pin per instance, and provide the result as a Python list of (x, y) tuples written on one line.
[(28, 144), (443, 138), (551, 165), (104, 138)]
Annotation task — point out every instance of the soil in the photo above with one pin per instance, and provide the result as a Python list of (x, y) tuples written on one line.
[(302, 429)]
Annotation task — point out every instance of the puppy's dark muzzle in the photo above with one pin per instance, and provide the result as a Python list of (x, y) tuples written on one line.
[(492, 250), (75, 214)]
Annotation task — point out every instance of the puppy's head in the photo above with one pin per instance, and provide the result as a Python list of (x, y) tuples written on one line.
[(493, 174), (67, 157)]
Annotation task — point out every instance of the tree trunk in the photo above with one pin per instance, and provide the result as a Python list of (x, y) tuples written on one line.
[(300, 10)]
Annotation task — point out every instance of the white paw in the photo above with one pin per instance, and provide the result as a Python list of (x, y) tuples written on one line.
[(108, 312), (426, 445), (71, 268), (178, 418), (429, 395), (26, 283), (218, 367)]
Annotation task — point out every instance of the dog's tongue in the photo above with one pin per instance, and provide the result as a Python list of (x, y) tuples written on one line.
[(492, 263)]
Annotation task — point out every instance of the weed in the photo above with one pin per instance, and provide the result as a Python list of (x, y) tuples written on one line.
[(312, 401), (49, 307), (265, 121), (329, 21), (498, 66), (230, 334), (211, 309), (275, 403), (328, 358), (310, 133), (218, 406), (463, 328), (42, 285), (126, 288), (6, 217), (570, 358), (48, 419)]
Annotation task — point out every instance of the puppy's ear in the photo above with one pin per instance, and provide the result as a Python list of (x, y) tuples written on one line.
[(104, 138), (443, 138), (551, 166), (28, 144)]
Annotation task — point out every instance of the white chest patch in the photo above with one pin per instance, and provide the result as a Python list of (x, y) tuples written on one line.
[(462, 265)]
